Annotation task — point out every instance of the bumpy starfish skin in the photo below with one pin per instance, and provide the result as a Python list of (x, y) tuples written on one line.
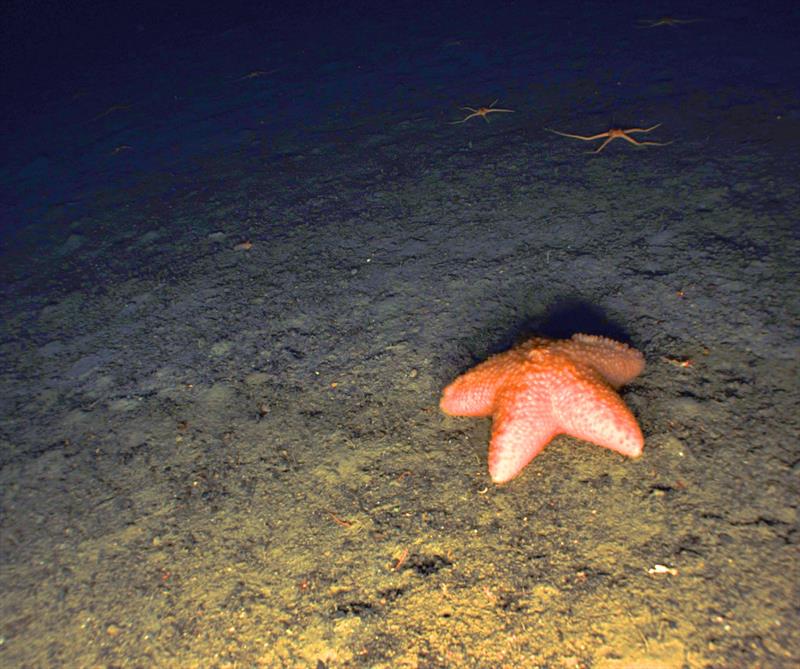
[(546, 387)]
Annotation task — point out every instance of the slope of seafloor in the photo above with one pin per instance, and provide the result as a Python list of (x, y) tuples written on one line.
[(221, 445)]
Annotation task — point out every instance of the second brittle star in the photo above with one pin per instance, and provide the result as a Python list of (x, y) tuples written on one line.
[(665, 21), (612, 134), (481, 111)]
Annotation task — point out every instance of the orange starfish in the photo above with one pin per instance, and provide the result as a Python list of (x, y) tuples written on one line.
[(545, 387), (614, 133)]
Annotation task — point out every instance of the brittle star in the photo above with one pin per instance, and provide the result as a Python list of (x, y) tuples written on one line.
[(111, 110), (481, 111), (611, 135), (258, 73), (665, 21)]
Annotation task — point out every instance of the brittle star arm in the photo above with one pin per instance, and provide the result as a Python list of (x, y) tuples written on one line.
[(489, 110), (475, 112), (652, 127), (610, 139), (665, 21), (585, 138), (624, 135), (492, 108), (633, 141)]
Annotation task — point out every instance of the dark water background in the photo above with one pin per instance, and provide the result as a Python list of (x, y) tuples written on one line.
[(82, 79)]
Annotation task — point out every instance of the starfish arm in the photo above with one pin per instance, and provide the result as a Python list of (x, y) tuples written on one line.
[(499, 110), (651, 128), (473, 393), (595, 413), (470, 109), (521, 428), (616, 362)]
